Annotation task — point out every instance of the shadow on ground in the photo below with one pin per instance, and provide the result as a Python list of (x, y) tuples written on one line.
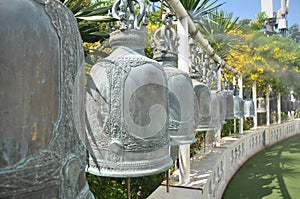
[(272, 173)]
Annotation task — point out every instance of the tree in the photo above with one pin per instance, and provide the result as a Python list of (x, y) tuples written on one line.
[(294, 33), (92, 17), (268, 60), (198, 9), (220, 29)]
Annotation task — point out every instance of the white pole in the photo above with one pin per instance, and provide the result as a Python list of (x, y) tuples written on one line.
[(183, 64), (218, 132), (184, 164), (234, 120), (183, 47), (268, 104), (254, 97), (240, 83), (279, 108)]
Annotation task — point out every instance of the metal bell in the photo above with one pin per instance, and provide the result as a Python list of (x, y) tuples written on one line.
[(297, 104), (273, 104), (249, 108), (223, 107), (204, 99), (284, 104), (261, 105), (293, 102), (127, 107), (238, 105), (41, 102), (229, 105), (215, 110), (180, 88)]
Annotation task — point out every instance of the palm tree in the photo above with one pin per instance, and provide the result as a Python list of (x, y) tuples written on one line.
[(198, 9), (216, 27), (94, 24), (92, 17)]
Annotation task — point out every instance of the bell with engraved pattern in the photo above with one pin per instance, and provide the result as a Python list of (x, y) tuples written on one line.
[(248, 107), (216, 122), (261, 105), (284, 104), (293, 105), (223, 107), (203, 96), (41, 102), (238, 105), (297, 105), (180, 89), (127, 104), (272, 104), (293, 102), (229, 104), (289, 105)]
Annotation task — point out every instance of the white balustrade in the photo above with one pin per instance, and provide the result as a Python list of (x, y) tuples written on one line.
[(238, 152)]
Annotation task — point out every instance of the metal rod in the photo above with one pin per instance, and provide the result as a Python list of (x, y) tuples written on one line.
[(168, 180), (128, 188)]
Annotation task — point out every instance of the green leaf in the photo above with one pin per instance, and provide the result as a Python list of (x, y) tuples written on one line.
[(93, 10), (98, 18)]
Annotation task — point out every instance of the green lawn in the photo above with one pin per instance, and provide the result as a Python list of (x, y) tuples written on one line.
[(273, 173)]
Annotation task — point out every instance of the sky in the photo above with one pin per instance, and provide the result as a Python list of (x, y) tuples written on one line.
[(249, 8)]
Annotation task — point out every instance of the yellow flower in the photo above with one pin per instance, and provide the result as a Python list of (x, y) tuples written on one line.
[(253, 76), (260, 70), (266, 48), (276, 49)]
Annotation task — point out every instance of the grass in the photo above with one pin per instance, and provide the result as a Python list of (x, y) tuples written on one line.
[(271, 174)]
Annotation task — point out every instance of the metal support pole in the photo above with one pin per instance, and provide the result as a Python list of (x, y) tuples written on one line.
[(254, 97), (240, 83), (128, 188), (168, 180)]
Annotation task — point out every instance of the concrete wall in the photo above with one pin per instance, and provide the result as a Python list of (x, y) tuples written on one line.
[(239, 151)]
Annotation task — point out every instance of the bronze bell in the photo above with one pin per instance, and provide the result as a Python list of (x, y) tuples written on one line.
[(180, 88), (229, 104), (238, 105), (215, 110), (261, 105), (249, 108), (41, 102), (293, 102), (203, 96), (223, 107), (284, 104), (272, 104), (127, 106)]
